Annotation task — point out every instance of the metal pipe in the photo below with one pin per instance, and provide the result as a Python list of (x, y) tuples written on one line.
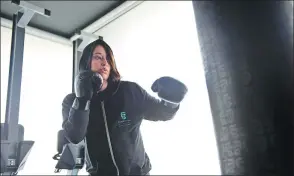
[(14, 79)]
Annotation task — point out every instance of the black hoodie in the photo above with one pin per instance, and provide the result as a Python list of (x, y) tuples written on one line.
[(111, 128)]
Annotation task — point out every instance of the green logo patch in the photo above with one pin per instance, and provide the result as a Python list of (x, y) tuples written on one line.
[(123, 115)]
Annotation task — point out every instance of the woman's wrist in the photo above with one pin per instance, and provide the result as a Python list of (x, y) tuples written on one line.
[(81, 104)]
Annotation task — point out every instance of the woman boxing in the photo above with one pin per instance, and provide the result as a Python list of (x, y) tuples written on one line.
[(107, 113)]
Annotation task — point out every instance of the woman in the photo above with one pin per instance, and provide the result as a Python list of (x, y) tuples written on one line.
[(107, 113)]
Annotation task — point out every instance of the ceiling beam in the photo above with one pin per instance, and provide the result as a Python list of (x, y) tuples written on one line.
[(92, 28), (38, 33), (108, 18)]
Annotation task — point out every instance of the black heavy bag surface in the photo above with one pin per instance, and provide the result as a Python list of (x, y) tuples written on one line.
[(247, 50)]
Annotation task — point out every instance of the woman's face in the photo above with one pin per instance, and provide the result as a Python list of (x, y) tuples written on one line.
[(99, 62)]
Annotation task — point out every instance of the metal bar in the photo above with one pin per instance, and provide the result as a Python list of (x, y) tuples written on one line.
[(109, 17), (38, 33), (247, 51), (76, 59), (26, 18), (84, 43), (79, 55), (74, 46), (85, 39), (32, 7), (15, 76), (36, 9)]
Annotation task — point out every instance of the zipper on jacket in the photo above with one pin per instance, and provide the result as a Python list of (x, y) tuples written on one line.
[(108, 138)]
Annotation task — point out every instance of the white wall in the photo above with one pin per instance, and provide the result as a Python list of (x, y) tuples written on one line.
[(155, 39), (5, 55), (47, 74)]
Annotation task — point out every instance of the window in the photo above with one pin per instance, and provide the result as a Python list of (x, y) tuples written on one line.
[(155, 39), (46, 80), (161, 36)]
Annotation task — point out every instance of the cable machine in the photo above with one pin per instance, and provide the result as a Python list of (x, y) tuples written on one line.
[(14, 149)]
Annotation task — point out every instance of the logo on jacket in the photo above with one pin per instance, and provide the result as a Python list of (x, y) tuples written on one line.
[(123, 115), (124, 121)]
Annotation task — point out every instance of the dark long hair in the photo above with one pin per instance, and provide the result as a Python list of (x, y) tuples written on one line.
[(87, 57)]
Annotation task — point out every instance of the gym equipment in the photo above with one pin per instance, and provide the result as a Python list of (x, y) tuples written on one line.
[(80, 41), (247, 51), (71, 156), (14, 149)]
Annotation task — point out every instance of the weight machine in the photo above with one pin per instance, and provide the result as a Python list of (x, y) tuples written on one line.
[(71, 156), (14, 149)]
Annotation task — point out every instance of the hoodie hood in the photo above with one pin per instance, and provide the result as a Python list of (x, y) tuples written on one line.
[(85, 64), (85, 61)]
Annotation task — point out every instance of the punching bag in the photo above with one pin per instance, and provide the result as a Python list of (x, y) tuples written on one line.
[(247, 52)]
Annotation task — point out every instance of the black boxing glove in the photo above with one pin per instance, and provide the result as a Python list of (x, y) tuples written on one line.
[(97, 82), (86, 84), (170, 90)]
